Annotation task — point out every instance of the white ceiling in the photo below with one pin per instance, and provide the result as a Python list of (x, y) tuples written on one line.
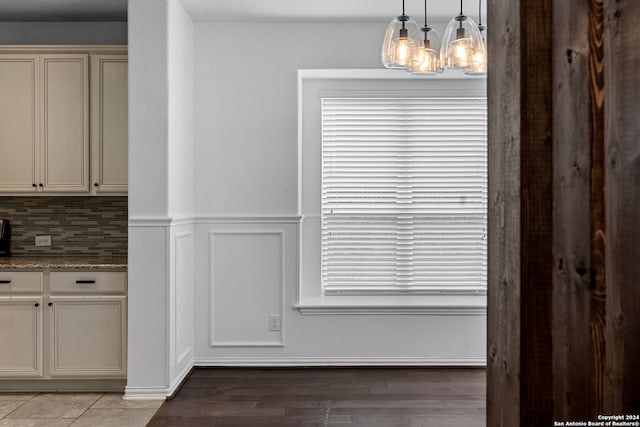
[(239, 10), (324, 10)]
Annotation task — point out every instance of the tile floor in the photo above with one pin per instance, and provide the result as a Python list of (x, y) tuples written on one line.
[(74, 409)]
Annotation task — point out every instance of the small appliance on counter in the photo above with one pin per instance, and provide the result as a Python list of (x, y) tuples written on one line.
[(5, 238)]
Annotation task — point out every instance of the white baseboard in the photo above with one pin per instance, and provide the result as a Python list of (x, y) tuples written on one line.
[(145, 393), (339, 361), (177, 381), (156, 393)]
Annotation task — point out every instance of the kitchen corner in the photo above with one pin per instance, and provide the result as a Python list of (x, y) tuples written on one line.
[(63, 306), (63, 195)]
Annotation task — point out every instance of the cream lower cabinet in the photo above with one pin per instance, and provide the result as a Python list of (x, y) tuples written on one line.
[(86, 318), (21, 336), (86, 336), (21, 350), (63, 325)]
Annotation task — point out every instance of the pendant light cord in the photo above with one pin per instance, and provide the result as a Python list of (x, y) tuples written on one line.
[(403, 7), (425, 13), (460, 7), (480, 13)]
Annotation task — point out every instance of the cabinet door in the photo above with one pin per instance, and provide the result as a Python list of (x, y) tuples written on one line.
[(21, 336), (19, 110), (109, 123), (65, 119), (87, 336)]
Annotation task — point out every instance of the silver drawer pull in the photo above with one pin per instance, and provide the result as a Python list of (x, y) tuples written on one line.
[(85, 282), (5, 281)]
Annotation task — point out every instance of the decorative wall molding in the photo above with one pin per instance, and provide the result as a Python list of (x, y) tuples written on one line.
[(340, 361), (392, 310), (241, 219), (182, 221), (213, 341), (179, 355), (158, 221)]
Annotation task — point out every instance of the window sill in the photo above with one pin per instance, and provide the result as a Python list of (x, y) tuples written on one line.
[(441, 305)]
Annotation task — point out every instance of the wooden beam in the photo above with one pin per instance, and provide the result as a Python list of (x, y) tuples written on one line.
[(621, 98), (564, 211), (520, 214), (571, 195), (503, 297)]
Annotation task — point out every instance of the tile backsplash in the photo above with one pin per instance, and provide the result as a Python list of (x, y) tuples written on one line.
[(78, 226)]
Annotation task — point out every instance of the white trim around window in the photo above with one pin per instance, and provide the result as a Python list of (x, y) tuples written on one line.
[(313, 86)]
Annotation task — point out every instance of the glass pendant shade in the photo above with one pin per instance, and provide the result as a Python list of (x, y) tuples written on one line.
[(462, 46), (426, 59), (478, 64), (399, 45)]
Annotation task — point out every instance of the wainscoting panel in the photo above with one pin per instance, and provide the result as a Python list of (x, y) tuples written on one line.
[(183, 301), (246, 269), (246, 285)]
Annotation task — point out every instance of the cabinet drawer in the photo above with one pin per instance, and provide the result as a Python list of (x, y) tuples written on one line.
[(88, 282), (12, 282)]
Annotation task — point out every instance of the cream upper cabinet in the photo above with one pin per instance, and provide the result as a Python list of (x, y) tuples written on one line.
[(44, 135), (109, 123), (63, 120), (19, 122), (64, 124)]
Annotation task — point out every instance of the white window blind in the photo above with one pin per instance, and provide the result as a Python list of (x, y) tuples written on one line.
[(404, 195)]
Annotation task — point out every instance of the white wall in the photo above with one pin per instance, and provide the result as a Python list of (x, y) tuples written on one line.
[(246, 203), (180, 188), (160, 349), (63, 33), (148, 272), (180, 63), (246, 107)]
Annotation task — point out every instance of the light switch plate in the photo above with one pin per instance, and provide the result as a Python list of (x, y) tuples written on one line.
[(43, 240)]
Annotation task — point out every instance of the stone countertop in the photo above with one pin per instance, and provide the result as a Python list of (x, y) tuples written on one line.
[(62, 263)]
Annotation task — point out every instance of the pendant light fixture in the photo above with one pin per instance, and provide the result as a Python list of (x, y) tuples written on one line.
[(425, 59), (398, 48), (479, 66), (462, 44)]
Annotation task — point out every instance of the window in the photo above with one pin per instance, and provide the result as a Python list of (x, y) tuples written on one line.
[(404, 195), (398, 170)]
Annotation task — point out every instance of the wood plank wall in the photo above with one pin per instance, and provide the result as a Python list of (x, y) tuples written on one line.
[(564, 211), (622, 204)]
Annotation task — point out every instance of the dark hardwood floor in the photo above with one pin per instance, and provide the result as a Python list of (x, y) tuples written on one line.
[(384, 397)]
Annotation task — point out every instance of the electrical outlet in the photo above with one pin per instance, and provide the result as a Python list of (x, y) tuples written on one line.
[(43, 240), (274, 322)]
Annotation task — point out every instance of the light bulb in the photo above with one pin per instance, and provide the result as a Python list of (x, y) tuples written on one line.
[(478, 64), (402, 51), (478, 58), (460, 53), (425, 61)]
